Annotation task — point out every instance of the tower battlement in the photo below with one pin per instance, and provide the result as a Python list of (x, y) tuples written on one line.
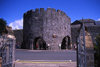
[(41, 12)]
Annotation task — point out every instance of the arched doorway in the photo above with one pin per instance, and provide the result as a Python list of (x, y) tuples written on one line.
[(39, 44), (65, 43)]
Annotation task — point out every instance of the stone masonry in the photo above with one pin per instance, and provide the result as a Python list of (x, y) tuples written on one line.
[(49, 24), (90, 26)]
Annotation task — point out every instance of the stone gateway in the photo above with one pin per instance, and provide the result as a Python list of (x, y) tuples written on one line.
[(46, 29)]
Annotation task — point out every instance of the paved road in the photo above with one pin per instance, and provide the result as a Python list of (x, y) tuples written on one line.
[(45, 55)]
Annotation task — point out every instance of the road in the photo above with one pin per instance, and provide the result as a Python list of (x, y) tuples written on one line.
[(45, 55)]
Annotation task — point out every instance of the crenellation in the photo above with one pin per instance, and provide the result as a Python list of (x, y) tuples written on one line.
[(37, 10), (62, 13), (53, 14), (42, 11), (49, 9), (48, 12), (29, 12), (24, 14), (54, 10), (58, 11)]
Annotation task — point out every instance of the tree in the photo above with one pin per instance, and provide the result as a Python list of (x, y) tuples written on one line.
[(97, 51), (2, 26)]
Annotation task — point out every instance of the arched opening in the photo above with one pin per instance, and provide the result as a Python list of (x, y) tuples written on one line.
[(39, 44), (65, 43), (69, 42)]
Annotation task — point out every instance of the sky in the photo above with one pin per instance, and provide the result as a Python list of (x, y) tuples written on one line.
[(12, 10)]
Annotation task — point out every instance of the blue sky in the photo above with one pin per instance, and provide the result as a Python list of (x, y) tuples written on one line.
[(12, 10)]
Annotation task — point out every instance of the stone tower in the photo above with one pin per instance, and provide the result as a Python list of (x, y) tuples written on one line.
[(49, 25)]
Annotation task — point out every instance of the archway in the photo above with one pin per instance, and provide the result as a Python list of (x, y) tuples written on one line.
[(39, 44), (68, 42), (65, 43)]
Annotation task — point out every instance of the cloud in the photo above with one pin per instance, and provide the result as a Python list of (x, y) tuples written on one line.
[(99, 19), (17, 24)]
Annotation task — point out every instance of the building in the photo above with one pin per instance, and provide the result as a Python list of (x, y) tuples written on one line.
[(91, 26), (46, 29)]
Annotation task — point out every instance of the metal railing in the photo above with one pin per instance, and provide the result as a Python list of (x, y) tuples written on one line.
[(81, 48)]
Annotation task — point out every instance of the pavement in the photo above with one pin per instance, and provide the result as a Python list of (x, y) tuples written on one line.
[(45, 64), (45, 55)]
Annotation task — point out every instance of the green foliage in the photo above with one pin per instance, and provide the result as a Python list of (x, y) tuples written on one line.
[(3, 26), (98, 40), (97, 51)]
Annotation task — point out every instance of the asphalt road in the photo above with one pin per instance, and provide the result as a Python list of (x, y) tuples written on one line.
[(45, 55)]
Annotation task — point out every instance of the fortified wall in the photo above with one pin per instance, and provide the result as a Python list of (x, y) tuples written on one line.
[(19, 37), (49, 24), (91, 27)]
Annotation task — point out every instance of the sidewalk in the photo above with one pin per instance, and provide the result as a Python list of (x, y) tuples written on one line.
[(43, 63)]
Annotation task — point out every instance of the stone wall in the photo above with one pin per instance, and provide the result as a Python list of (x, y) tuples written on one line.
[(74, 34), (19, 36), (89, 50), (50, 24), (89, 26), (94, 31), (7, 50)]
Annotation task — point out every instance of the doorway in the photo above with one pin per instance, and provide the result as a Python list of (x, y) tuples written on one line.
[(39, 44), (65, 43)]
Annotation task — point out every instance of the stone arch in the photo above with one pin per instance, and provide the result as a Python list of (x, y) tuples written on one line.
[(65, 43), (39, 44)]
